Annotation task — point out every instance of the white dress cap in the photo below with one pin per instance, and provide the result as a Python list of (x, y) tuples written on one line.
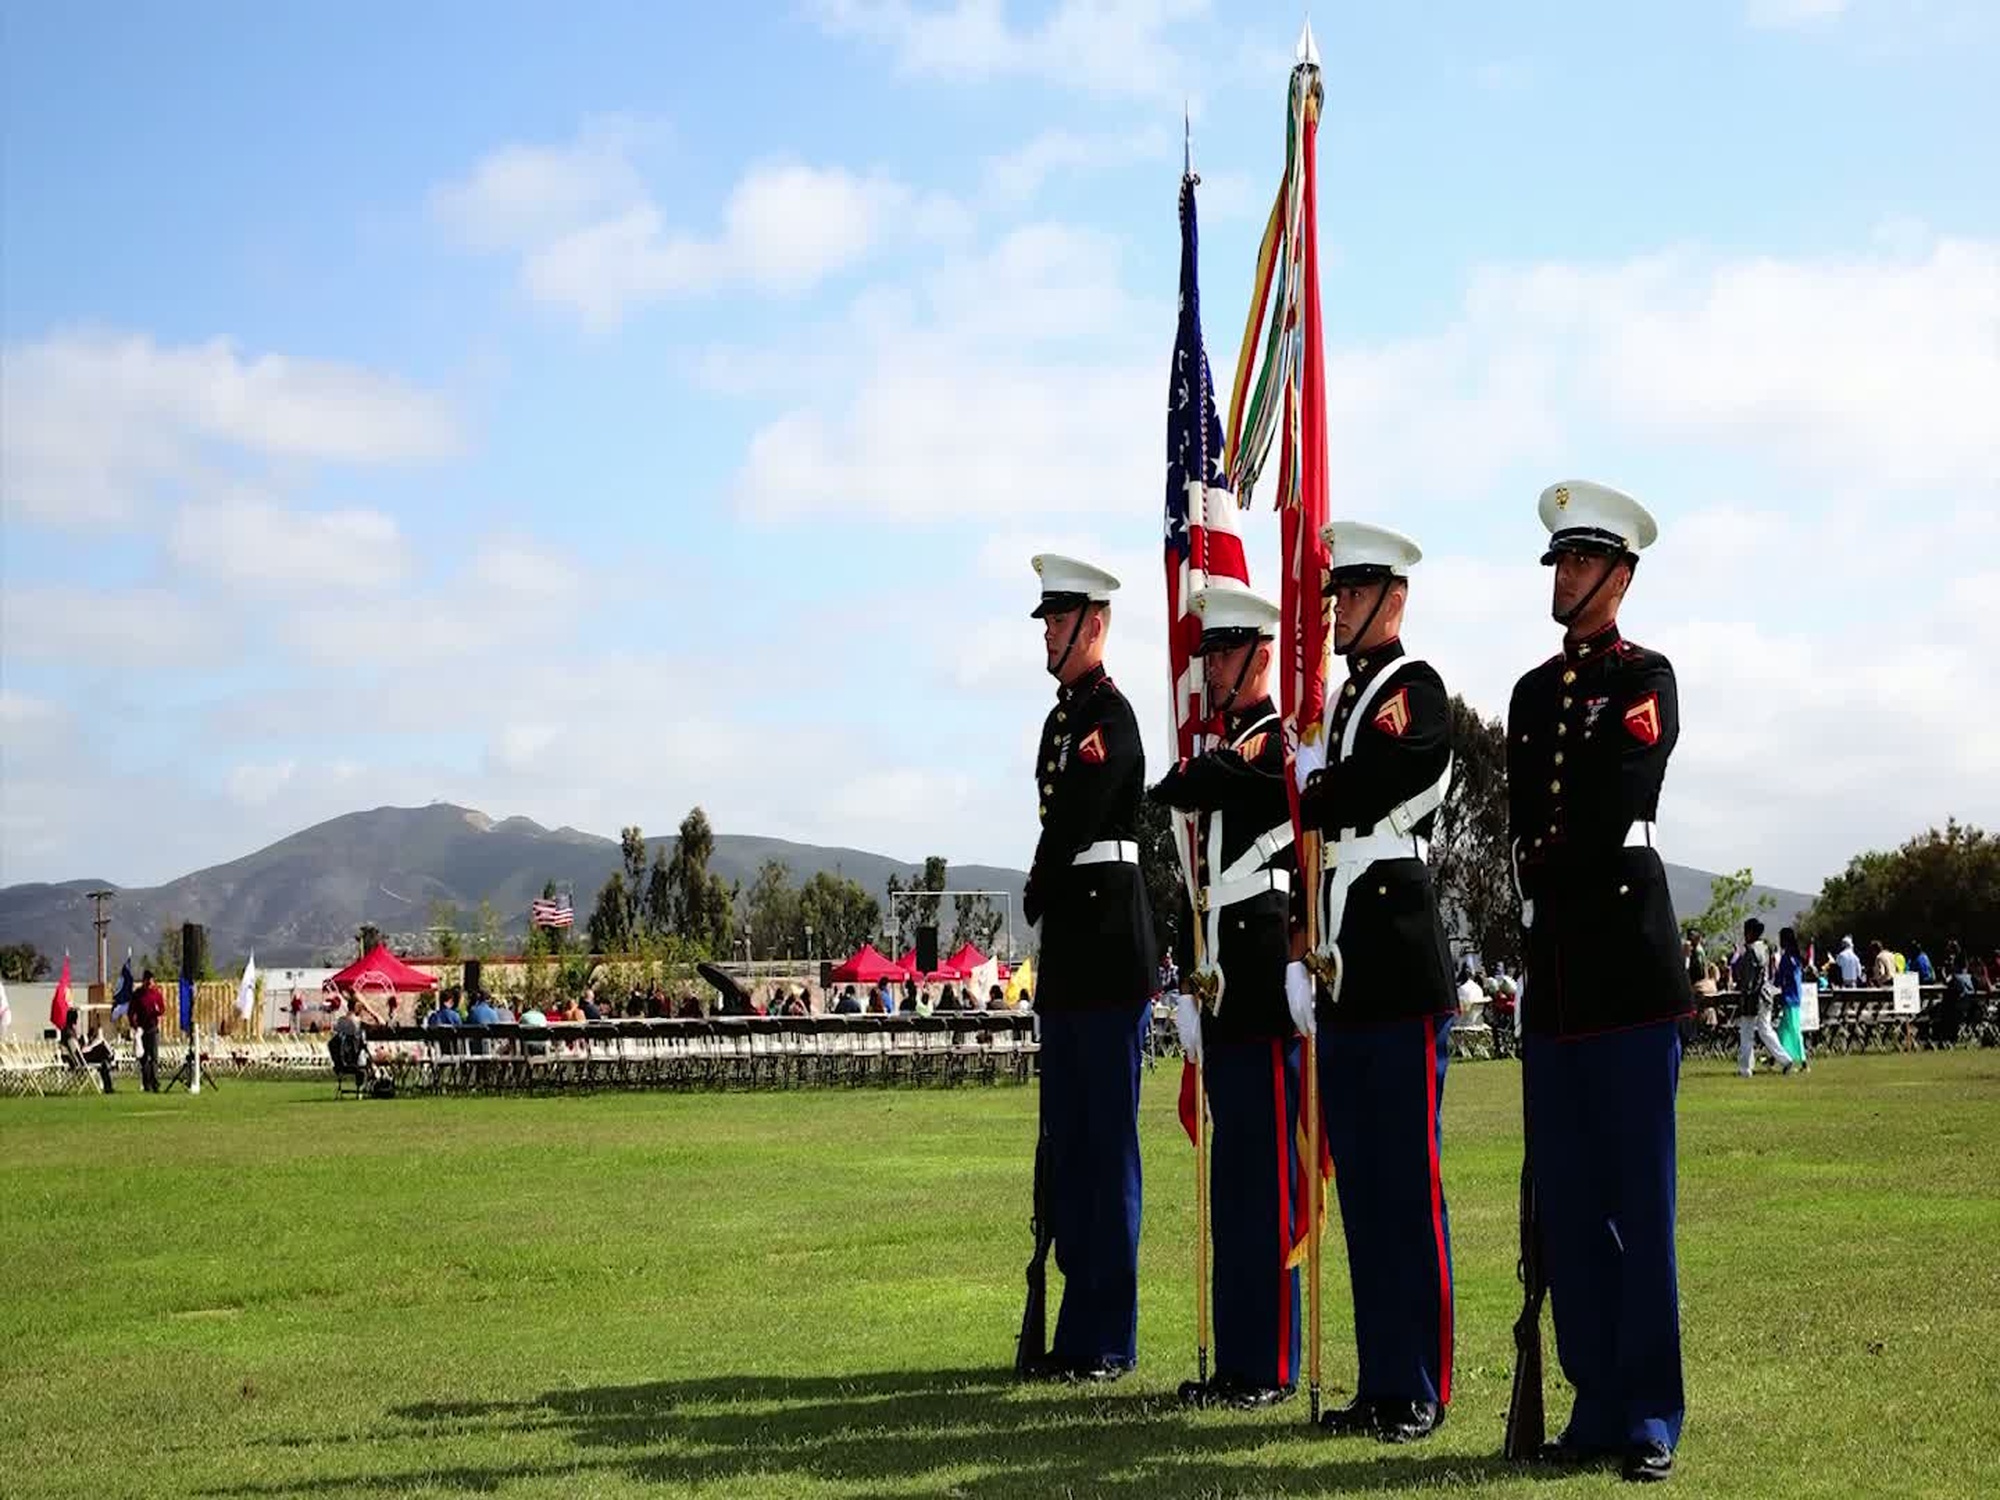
[(1231, 614), (1594, 518), (1068, 583), (1358, 548)]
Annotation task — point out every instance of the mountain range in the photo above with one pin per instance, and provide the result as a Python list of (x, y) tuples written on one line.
[(299, 900)]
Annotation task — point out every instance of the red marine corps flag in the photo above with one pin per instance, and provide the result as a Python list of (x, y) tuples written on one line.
[(1285, 393)]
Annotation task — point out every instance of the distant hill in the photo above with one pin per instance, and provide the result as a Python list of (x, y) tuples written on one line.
[(301, 898)]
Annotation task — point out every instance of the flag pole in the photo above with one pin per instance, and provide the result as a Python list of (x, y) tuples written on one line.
[(1284, 391)]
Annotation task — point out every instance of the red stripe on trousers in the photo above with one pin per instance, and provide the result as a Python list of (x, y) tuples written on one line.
[(1284, 1215), (1437, 1214)]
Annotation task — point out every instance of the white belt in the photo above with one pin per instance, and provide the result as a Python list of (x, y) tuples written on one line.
[(1108, 852), (1345, 861), (1228, 892), (1357, 852), (1639, 835)]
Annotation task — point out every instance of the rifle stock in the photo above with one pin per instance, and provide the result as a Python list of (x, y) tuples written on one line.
[(1526, 1421), (1033, 1345)]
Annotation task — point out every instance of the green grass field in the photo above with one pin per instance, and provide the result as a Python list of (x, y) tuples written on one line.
[(266, 1292)]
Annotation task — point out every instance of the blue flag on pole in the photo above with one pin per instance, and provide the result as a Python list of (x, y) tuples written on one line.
[(187, 1003), (122, 1000)]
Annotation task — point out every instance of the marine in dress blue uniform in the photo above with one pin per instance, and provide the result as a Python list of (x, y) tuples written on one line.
[(1589, 733), (1384, 1034), (1245, 1040), (1094, 978)]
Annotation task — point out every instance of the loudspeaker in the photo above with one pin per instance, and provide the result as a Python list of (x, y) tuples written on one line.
[(471, 977), (825, 973), (194, 949), (927, 954)]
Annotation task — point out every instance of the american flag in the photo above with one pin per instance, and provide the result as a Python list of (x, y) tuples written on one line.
[(551, 911), (1201, 539)]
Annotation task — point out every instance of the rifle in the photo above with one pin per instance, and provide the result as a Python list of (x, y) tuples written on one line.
[(1033, 1346), (1526, 1425)]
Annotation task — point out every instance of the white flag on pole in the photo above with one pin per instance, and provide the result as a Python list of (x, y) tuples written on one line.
[(246, 992), (6, 1010)]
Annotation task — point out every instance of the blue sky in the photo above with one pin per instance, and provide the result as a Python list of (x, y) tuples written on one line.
[(584, 412)]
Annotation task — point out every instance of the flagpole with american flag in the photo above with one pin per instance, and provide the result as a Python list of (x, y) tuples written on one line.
[(552, 910), (1201, 544), (1286, 393)]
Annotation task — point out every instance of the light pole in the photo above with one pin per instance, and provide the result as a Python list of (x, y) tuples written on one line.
[(809, 942)]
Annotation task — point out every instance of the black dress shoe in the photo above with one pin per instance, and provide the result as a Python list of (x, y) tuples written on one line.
[(1196, 1393), (1256, 1397), (1407, 1421), (1647, 1463), (1565, 1453), (1103, 1372), (1048, 1367), (1352, 1420)]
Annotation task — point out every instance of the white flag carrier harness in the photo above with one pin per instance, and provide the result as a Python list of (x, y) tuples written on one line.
[(1246, 877), (1346, 857)]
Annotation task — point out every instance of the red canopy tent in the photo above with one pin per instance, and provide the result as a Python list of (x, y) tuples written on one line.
[(866, 966), (966, 959), (379, 969)]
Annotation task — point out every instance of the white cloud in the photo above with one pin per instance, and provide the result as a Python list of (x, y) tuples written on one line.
[(1876, 369), (1784, 14), (997, 387), (1014, 177), (253, 542), (1106, 47), (524, 194), (95, 420), (594, 240), (103, 632)]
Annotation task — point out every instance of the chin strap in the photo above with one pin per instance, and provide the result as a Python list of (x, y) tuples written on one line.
[(1055, 668), (1228, 704), (1563, 617), (1368, 624)]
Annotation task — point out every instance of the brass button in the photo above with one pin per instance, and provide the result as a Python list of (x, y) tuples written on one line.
[(1555, 787), (1043, 811), (1552, 829), (1562, 729), (1050, 766), (1381, 890), (1048, 789), (1524, 739), (1093, 895), (1568, 701), (1538, 842), (1624, 890), (1582, 651), (1348, 692), (1569, 677), (1061, 717), (1559, 757)]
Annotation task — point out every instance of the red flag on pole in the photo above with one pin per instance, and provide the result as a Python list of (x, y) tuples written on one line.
[(59, 1005), (1283, 397)]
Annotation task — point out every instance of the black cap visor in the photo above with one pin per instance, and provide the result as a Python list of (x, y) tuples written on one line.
[(1226, 637), (1058, 604), (1589, 541)]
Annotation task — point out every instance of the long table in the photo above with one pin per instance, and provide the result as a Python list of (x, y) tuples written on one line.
[(716, 1052)]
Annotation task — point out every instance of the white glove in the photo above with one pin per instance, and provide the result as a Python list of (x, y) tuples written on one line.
[(1309, 759), (1187, 1021), (1299, 996)]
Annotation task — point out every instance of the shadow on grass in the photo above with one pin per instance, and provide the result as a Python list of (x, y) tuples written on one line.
[(972, 1433)]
